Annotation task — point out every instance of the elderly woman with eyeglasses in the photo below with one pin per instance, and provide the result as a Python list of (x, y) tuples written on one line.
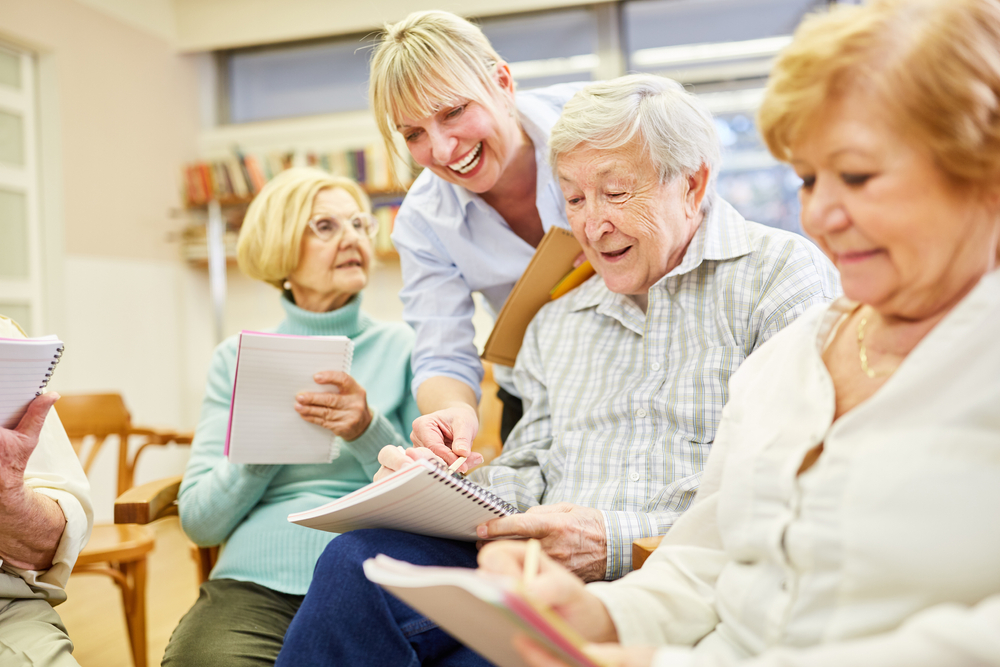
[(308, 234)]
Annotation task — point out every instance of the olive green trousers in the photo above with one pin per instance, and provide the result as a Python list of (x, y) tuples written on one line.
[(233, 624)]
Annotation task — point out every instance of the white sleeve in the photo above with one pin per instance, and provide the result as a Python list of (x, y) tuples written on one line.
[(55, 471)]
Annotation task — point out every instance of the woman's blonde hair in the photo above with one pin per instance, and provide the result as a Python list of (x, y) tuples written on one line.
[(271, 236), (425, 61), (933, 65)]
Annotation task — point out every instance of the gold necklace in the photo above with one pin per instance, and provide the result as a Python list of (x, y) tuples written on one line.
[(863, 353)]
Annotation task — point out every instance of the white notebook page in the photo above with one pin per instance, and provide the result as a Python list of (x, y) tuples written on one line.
[(271, 369), (25, 367), (414, 499)]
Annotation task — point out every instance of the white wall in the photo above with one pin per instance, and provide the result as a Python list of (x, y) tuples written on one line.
[(118, 115), (204, 25)]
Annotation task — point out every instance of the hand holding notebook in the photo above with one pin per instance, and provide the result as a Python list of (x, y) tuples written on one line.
[(26, 365), (482, 610), (271, 369)]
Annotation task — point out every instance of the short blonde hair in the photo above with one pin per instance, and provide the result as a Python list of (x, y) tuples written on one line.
[(934, 65), (426, 60), (271, 236)]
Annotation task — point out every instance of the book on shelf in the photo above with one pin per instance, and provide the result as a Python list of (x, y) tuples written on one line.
[(240, 175), (423, 498), (482, 610), (271, 369), (26, 366)]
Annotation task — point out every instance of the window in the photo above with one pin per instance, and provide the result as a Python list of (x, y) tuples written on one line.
[(300, 80), (20, 258), (547, 47)]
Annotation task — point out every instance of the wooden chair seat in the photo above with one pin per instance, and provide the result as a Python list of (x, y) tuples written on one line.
[(111, 543)]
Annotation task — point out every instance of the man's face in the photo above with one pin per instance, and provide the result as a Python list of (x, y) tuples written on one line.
[(633, 228)]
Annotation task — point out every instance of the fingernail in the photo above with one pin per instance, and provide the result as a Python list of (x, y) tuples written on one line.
[(482, 532)]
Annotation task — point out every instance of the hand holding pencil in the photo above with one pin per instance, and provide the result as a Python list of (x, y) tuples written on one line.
[(546, 582)]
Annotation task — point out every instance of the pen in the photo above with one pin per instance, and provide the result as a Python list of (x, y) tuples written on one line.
[(531, 562)]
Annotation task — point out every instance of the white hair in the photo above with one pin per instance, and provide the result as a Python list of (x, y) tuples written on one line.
[(674, 126)]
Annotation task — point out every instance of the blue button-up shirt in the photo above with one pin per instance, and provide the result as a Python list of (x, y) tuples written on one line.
[(451, 243)]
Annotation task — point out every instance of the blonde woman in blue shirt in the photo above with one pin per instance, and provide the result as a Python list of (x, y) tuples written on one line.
[(472, 219)]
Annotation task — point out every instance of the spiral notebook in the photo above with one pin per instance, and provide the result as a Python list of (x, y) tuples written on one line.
[(482, 610), (26, 365), (271, 369), (422, 498)]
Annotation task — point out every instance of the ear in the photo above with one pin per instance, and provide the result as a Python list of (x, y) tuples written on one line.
[(697, 183), (503, 76)]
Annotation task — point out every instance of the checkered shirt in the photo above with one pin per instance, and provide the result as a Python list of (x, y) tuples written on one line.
[(621, 407)]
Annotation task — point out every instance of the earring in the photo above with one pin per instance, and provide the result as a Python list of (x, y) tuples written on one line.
[(287, 285)]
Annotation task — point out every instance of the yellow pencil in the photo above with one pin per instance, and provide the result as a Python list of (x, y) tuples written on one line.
[(573, 279)]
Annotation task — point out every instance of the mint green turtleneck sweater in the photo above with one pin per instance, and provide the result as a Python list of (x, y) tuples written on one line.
[(245, 507)]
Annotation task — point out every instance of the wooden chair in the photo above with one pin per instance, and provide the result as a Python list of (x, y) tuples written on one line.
[(118, 551), (487, 440), (145, 504), (643, 548)]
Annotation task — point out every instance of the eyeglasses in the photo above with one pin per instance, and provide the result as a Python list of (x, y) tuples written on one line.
[(327, 227)]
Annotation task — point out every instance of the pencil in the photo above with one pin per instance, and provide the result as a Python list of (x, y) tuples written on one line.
[(456, 465), (531, 562)]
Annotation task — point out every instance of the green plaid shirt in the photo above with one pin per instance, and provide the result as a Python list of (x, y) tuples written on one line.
[(621, 407)]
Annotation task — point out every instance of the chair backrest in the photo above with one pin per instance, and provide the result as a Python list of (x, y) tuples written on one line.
[(98, 415)]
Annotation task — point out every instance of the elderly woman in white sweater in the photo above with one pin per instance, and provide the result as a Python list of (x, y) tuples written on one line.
[(850, 508)]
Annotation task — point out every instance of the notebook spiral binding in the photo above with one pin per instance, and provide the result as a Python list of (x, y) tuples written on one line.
[(468, 488), (52, 366)]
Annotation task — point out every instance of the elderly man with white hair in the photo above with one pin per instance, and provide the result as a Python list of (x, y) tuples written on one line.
[(623, 380)]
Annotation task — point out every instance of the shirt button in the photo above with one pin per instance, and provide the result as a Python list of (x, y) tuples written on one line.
[(655, 366), (640, 413), (634, 476)]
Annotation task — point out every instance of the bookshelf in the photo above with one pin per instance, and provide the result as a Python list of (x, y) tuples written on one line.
[(233, 180)]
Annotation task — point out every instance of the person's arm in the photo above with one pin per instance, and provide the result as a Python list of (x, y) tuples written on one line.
[(215, 494), (438, 304), (32, 523), (450, 418)]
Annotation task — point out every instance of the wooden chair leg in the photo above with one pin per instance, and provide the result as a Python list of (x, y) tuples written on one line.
[(134, 600)]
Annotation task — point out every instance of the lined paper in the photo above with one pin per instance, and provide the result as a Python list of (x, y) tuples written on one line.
[(270, 370), (418, 499), (26, 365)]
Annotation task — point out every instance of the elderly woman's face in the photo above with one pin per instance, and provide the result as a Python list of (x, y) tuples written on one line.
[(633, 228), (905, 239), (333, 270), (464, 142)]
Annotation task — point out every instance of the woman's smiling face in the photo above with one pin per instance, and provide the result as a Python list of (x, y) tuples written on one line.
[(465, 142), (906, 239)]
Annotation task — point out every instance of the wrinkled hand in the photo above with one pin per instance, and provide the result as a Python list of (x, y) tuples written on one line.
[(344, 413), (17, 445), (611, 655), (393, 458), (572, 535), (449, 434)]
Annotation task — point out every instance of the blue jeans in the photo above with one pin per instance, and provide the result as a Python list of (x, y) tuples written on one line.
[(347, 620)]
